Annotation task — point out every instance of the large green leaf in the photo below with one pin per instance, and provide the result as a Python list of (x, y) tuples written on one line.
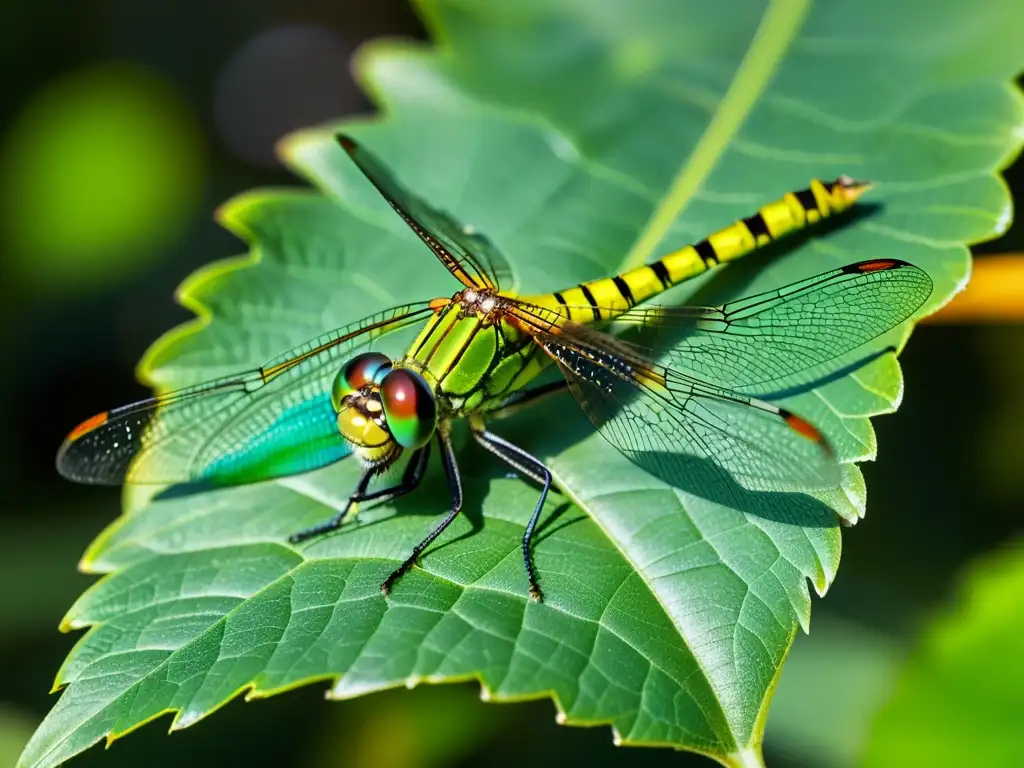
[(960, 698), (582, 137)]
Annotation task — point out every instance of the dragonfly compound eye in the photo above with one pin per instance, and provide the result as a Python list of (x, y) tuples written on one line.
[(361, 370), (410, 407)]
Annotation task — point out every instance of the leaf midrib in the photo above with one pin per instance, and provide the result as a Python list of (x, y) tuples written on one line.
[(779, 25)]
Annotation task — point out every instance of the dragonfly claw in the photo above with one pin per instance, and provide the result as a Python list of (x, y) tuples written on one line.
[(398, 573)]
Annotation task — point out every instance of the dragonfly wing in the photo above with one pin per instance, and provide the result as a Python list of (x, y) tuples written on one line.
[(685, 431), (469, 255), (273, 421), (785, 337)]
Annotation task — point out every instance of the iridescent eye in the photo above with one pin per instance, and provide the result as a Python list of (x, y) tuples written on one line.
[(361, 370), (409, 406)]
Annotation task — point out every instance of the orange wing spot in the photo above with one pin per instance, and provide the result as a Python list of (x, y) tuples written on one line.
[(802, 426), (436, 305), (88, 426), (876, 266)]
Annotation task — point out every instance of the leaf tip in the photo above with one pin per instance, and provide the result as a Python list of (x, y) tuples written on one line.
[(87, 563), (233, 215), (70, 624), (254, 694), (224, 213), (184, 720), (289, 148), (349, 689), (1005, 217)]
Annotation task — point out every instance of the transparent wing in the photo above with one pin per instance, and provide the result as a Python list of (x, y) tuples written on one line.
[(679, 425), (785, 337), (469, 255), (269, 422), (680, 429)]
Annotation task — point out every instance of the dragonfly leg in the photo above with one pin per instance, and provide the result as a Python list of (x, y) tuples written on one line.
[(451, 472), (410, 480), (534, 469), (517, 401)]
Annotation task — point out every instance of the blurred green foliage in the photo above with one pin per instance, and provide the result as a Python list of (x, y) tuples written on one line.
[(15, 729), (98, 171), (426, 727), (958, 701), (824, 707), (997, 461)]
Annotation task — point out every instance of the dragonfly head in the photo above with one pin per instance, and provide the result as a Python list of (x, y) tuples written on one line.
[(379, 405)]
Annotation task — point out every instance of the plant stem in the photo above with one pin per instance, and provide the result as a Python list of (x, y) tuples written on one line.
[(995, 293)]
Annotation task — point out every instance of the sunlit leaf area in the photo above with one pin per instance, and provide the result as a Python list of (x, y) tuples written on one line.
[(175, 207)]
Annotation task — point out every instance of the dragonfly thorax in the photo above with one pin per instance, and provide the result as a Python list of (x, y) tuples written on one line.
[(482, 302), (383, 409)]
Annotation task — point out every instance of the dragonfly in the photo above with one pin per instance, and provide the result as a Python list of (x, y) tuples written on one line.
[(479, 353)]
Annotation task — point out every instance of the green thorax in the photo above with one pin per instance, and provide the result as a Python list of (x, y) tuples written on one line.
[(473, 358)]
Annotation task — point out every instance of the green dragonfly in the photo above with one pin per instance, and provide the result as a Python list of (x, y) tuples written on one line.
[(480, 350)]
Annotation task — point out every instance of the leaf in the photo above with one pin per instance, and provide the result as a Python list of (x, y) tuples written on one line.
[(581, 137), (959, 699)]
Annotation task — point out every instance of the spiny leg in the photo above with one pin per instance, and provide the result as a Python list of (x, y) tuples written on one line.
[(411, 479), (533, 468), (524, 398), (451, 472)]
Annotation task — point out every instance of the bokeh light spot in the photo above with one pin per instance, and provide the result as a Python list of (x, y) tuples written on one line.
[(99, 171), (286, 78)]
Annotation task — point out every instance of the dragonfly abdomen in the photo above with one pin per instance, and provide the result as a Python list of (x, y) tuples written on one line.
[(606, 298)]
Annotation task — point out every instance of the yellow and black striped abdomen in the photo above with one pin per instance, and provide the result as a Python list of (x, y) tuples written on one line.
[(605, 298)]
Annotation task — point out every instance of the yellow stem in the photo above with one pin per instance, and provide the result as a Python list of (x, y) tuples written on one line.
[(995, 293)]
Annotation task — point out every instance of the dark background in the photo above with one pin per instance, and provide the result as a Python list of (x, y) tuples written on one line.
[(202, 91)]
